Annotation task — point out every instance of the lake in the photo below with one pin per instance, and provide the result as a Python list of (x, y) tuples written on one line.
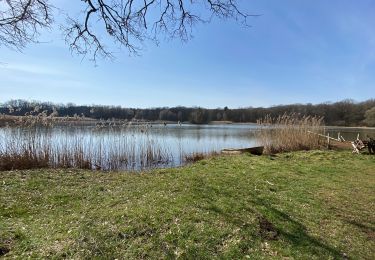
[(137, 146)]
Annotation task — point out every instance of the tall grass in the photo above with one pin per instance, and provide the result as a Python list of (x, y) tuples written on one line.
[(290, 132), (34, 140), (64, 147)]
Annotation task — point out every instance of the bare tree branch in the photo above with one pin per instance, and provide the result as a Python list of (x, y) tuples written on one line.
[(21, 21), (126, 22)]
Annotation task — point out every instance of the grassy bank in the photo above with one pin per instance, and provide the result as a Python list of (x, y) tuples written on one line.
[(309, 205)]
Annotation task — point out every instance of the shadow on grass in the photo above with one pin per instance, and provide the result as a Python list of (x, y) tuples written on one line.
[(296, 233), (368, 230), (288, 229)]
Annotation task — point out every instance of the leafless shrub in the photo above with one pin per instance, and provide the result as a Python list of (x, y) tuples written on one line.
[(289, 132)]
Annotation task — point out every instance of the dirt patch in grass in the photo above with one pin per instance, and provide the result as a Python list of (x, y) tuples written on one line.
[(266, 229), (5, 244), (4, 250)]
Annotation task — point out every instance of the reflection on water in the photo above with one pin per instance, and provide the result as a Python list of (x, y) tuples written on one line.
[(129, 147), (142, 146)]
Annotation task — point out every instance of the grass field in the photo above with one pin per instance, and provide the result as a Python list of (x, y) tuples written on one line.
[(301, 205)]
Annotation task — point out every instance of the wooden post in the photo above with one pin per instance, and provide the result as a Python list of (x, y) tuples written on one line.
[(328, 139)]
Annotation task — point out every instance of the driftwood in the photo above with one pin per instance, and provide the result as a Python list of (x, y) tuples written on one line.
[(253, 150), (339, 142), (339, 138), (357, 145)]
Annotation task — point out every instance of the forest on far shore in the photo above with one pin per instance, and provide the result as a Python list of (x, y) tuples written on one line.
[(342, 113)]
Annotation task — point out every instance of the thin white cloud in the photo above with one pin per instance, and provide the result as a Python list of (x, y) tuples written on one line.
[(31, 69)]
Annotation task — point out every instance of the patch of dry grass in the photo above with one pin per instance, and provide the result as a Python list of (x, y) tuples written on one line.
[(198, 156)]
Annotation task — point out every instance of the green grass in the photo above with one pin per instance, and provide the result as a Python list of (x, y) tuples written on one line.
[(302, 205)]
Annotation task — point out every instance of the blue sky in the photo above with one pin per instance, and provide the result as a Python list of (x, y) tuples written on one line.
[(297, 51)]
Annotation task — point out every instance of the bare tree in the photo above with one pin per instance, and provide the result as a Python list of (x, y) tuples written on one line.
[(127, 22), (22, 20)]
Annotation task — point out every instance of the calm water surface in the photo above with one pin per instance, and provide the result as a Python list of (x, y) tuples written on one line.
[(173, 141)]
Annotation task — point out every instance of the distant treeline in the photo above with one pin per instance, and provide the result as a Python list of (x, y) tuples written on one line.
[(343, 113)]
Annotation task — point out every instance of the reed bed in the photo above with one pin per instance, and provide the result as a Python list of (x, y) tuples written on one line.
[(103, 149), (42, 139), (290, 132)]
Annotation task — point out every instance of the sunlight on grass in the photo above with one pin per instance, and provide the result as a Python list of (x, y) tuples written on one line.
[(310, 205)]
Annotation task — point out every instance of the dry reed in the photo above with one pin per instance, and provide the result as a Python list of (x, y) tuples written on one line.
[(289, 132), (111, 149), (28, 142), (198, 156)]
